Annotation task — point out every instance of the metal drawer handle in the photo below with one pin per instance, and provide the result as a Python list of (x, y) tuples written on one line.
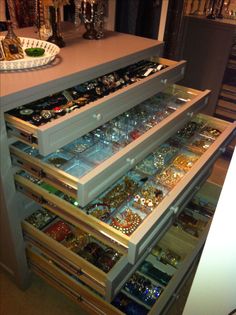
[(79, 272), (130, 161), (39, 199), (174, 209), (98, 117), (176, 296), (222, 150), (164, 81), (197, 188), (79, 298), (190, 114), (28, 136), (39, 173)]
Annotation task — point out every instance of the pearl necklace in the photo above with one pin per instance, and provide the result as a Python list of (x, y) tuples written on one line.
[(84, 11)]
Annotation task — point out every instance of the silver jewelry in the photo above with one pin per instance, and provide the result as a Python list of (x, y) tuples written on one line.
[(84, 11), (78, 13), (99, 19)]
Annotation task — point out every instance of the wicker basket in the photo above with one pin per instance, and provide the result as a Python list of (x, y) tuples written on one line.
[(51, 50)]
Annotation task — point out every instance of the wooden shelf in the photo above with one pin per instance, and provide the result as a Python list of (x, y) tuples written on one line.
[(226, 110)]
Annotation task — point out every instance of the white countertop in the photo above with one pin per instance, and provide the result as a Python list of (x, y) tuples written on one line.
[(81, 60)]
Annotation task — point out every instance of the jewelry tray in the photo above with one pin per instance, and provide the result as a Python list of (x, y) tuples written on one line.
[(51, 50)]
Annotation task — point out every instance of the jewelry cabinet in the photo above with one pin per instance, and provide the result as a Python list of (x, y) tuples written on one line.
[(29, 183)]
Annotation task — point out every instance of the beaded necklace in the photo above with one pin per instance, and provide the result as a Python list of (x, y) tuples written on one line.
[(84, 11)]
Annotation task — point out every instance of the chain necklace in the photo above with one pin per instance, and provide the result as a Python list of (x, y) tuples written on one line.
[(84, 11), (78, 12)]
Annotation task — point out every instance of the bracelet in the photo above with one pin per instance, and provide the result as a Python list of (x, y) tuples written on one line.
[(100, 211), (127, 222), (58, 231)]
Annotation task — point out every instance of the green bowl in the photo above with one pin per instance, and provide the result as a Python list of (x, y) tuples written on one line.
[(34, 52)]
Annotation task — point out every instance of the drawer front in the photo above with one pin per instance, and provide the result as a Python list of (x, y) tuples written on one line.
[(85, 271), (75, 271), (183, 247), (112, 169), (90, 274), (103, 232), (145, 232), (179, 277), (186, 246), (143, 235), (174, 294), (99, 178), (65, 129), (155, 232), (80, 294)]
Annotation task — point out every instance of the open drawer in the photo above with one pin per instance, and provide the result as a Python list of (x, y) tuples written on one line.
[(87, 166), (92, 262), (162, 268), (83, 118), (105, 217)]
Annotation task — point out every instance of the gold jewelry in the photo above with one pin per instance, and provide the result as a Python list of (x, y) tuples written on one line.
[(148, 199), (126, 222), (184, 162), (169, 177), (199, 146)]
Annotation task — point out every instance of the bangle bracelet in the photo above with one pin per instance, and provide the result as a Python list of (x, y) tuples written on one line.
[(127, 222)]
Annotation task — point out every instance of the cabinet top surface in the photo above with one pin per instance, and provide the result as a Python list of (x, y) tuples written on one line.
[(79, 59)]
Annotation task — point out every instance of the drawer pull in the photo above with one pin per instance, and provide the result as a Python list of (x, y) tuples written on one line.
[(79, 272), (130, 161), (79, 298), (28, 137), (164, 81), (174, 209), (222, 150), (176, 296), (39, 199), (206, 101), (190, 114), (98, 117), (197, 188), (39, 173), (19, 162)]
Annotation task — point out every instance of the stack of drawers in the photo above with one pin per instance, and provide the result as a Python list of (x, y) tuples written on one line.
[(112, 256)]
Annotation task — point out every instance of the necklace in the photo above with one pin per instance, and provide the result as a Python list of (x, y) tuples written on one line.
[(84, 11)]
